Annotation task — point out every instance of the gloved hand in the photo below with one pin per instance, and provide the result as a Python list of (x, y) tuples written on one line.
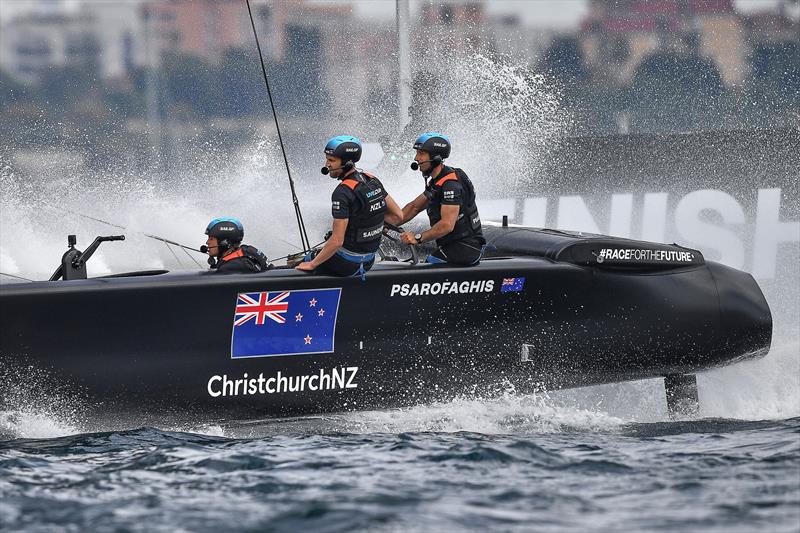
[(328, 235)]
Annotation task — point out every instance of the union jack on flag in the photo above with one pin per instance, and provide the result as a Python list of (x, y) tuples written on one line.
[(252, 305), (512, 285), (274, 323)]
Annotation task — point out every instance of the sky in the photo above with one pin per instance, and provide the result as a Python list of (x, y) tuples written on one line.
[(556, 14)]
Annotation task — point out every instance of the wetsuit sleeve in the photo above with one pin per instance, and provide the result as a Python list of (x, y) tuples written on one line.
[(452, 192), (342, 202)]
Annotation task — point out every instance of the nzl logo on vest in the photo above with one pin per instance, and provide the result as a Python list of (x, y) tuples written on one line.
[(267, 324)]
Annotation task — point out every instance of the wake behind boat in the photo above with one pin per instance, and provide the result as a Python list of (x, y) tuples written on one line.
[(545, 308)]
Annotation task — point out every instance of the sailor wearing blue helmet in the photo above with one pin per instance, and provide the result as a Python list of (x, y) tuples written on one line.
[(359, 204), (449, 199), (226, 251)]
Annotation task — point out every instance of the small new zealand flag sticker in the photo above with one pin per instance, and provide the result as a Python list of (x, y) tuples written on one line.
[(512, 285)]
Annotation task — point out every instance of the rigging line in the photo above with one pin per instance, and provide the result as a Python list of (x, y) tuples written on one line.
[(300, 224), (195, 260), (174, 254), (13, 276), (156, 237)]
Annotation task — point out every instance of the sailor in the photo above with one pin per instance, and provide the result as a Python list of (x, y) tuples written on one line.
[(226, 251), (449, 199), (359, 204)]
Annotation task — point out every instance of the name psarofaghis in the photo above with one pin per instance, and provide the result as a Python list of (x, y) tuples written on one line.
[(336, 378), (636, 254), (442, 287)]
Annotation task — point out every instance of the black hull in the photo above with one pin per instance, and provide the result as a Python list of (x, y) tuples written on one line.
[(161, 344)]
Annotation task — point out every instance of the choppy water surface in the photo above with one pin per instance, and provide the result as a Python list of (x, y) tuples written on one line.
[(563, 470)]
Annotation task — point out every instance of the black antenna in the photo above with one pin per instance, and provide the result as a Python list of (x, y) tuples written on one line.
[(303, 236)]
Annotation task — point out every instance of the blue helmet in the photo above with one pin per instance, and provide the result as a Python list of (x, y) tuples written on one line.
[(434, 143), (345, 147), (227, 230)]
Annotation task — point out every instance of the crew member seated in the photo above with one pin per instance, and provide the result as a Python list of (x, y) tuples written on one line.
[(449, 199), (227, 253), (359, 204)]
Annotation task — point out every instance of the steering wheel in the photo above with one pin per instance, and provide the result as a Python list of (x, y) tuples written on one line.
[(397, 229)]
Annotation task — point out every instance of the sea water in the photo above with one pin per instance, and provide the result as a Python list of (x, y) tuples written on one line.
[(503, 465)]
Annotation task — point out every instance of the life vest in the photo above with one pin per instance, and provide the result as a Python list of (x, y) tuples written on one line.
[(468, 223), (252, 258), (365, 227)]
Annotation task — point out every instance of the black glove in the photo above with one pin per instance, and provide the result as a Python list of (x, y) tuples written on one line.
[(328, 235)]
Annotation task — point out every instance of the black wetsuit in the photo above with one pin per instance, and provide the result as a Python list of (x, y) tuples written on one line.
[(462, 246), (245, 259), (361, 199)]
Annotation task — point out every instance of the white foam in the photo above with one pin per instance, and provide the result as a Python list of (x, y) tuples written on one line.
[(35, 424), (511, 413), (767, 388)]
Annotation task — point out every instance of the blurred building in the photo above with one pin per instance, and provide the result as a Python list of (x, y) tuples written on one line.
[(49, 34), (203, 28), (772, 27), (618, 34), (447, 29)]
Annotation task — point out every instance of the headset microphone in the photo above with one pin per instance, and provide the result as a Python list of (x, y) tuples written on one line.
[(437, 160), (204, 249), (347, 167)]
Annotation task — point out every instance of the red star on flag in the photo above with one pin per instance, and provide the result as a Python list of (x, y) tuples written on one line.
[(308, 339), (312, 302)]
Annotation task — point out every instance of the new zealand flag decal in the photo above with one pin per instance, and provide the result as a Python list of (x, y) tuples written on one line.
[(267, 324)]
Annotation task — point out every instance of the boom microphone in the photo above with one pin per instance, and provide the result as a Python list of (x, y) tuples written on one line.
[(347, 167), (437, 160), (204, 249)]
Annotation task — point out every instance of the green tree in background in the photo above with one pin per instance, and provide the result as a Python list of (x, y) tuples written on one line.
[(776, 84), (11, 92), (189, 85), (673, 92), (240, 86)]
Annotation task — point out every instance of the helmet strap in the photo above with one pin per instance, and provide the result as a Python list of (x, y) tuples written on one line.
[(433, 166)]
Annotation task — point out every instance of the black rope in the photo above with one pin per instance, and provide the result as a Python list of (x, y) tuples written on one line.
[(162, 239), (297, 253), (304, 242), (106, 222), (13, 276)]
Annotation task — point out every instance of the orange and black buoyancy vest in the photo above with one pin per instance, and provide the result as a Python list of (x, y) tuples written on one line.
[(244, 259), (365, 227), (468, 223)]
